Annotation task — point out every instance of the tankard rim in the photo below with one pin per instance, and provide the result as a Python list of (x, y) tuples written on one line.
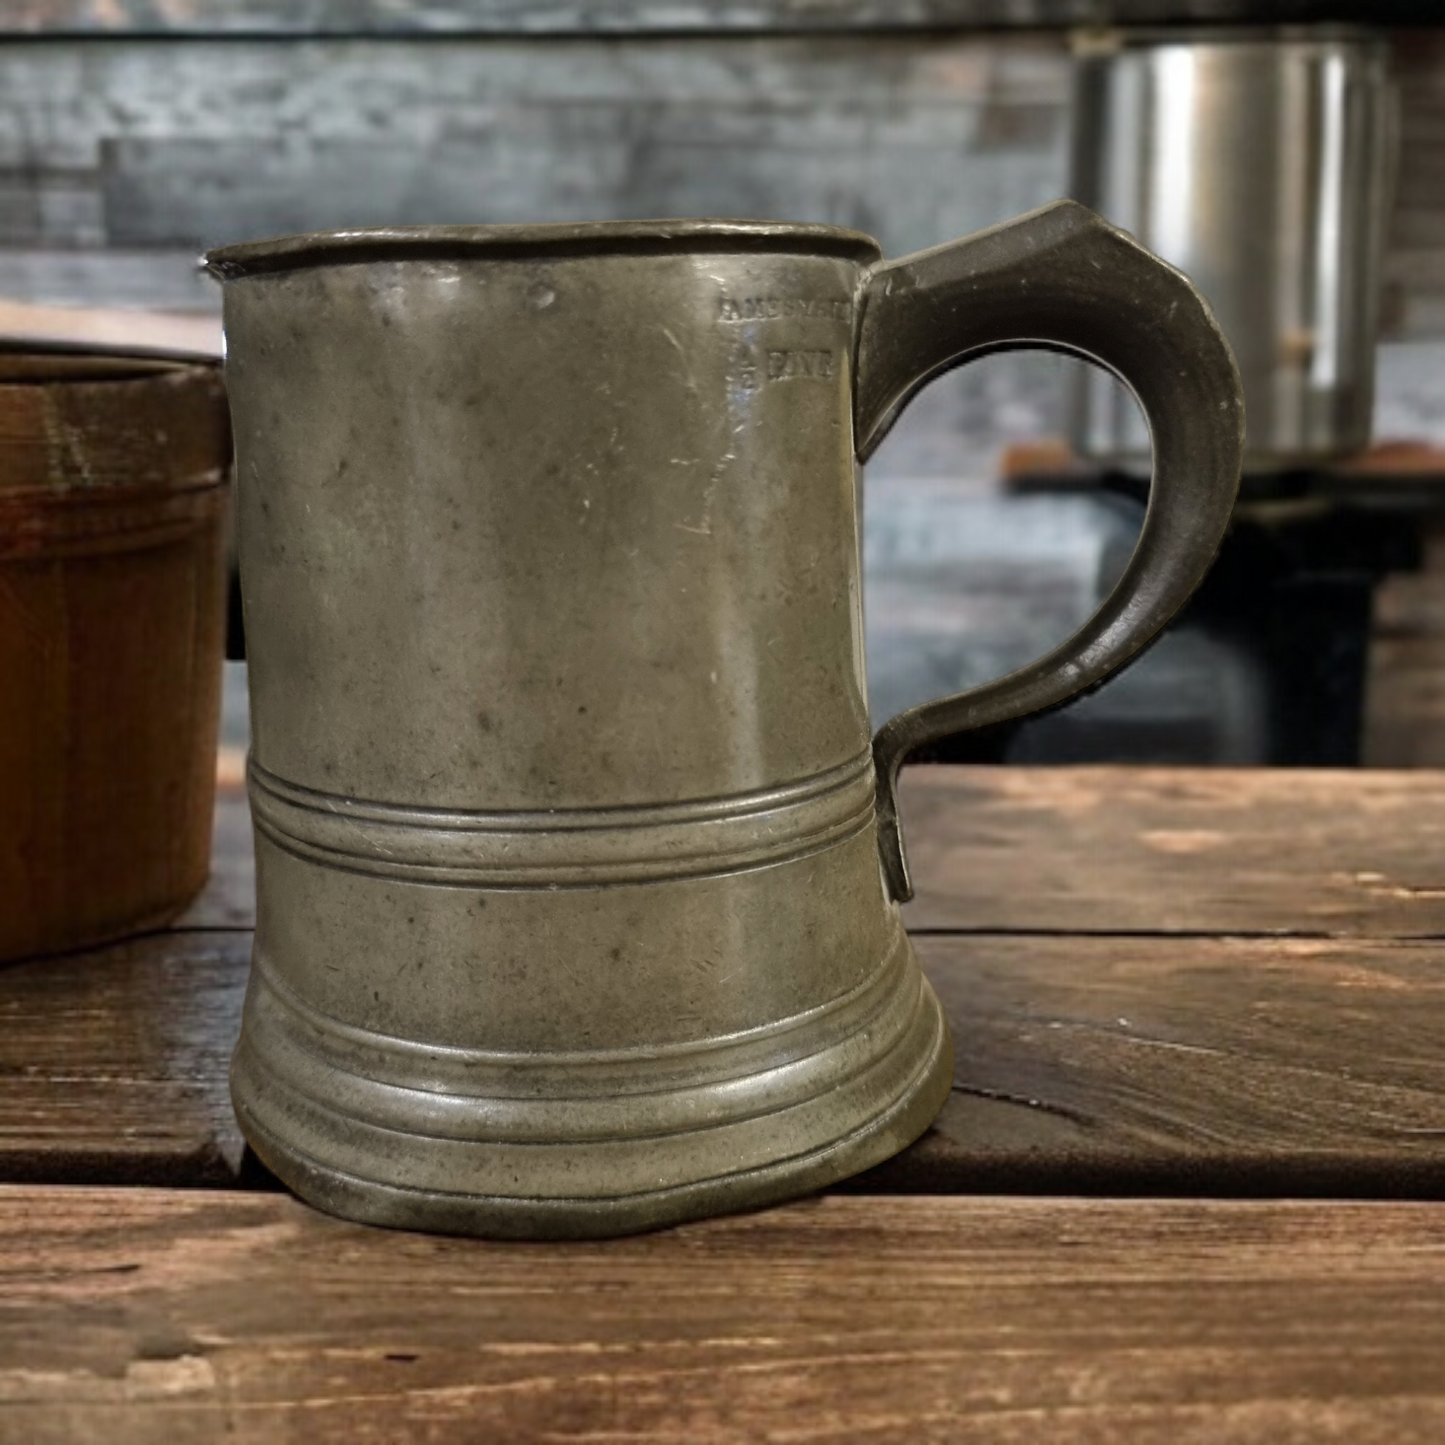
[(511, 242)]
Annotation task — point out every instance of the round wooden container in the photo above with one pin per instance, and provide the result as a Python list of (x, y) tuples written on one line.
[(112, 485)]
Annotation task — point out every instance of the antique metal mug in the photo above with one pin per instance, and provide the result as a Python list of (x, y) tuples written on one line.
[(578, 878)]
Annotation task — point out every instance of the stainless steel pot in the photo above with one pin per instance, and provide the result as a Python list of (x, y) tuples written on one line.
[(577, 876), (1261, 166)]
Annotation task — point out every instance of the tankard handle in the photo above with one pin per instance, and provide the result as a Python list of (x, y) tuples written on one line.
[(1060, 279)]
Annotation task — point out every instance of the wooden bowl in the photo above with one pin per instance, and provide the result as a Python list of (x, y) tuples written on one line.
[(112, 487)]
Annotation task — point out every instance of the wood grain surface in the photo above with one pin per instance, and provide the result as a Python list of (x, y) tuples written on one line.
[(138, 1315), (1098, 1065), (1186, 1066), (113, 1064), (1112, 1036), (1138, 1009), (1289, 852)]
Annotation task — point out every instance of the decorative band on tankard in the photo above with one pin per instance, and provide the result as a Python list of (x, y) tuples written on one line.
[(578, 874)]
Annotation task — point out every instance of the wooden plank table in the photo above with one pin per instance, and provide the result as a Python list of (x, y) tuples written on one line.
[(1222, 993)]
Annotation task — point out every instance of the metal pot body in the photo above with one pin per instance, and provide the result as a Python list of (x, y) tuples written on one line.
[(1262, 168), (578, 884)]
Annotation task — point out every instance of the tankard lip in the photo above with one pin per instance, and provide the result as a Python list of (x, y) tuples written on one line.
[(543, 241)]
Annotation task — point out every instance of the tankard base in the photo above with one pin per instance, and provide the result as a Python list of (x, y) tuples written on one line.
[(915, 1072), (500, 1217)]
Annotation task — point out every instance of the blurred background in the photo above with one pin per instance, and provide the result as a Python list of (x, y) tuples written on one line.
[(1285, 156)]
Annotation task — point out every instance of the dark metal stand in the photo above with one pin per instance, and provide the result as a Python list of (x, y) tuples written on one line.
[(1291, 596)]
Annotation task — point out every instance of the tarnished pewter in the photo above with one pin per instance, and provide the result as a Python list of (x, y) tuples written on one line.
[(571, 919)]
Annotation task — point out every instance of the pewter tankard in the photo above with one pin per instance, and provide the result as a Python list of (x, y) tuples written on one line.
[(578, 876)]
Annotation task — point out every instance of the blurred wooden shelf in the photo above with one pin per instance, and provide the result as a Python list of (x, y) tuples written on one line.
[(612, 17), (109, 331)]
